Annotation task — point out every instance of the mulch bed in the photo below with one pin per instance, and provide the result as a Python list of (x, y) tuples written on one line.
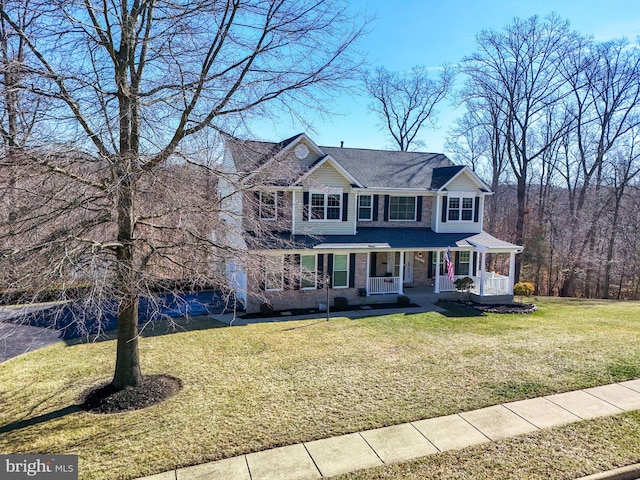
[(508, 308), (153, 389), (332, 309), (498, 308)]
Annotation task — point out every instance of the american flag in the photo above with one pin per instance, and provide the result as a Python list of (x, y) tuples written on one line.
[(449, 263)]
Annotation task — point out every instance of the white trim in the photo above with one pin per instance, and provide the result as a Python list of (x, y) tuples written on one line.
[(333, 271), (401, 273), (512, 271), (461, 196), (483, 269), (315, 271), (329, 191), (415, 208), (358, 219)]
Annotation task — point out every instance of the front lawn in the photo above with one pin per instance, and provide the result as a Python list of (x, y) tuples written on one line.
[(256, 387)]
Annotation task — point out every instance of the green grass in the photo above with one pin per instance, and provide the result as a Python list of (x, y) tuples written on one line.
[(261, 386)]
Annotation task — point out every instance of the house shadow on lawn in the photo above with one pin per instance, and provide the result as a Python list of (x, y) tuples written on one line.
[(156, 328), (456, 309)]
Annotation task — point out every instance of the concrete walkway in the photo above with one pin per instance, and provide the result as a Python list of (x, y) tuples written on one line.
[(398, 443), (236, 320)]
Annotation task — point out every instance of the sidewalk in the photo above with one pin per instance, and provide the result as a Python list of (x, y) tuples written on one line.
[(398, 443), (235, 320)]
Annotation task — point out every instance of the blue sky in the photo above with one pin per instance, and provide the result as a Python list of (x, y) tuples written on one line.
[(406, 33)]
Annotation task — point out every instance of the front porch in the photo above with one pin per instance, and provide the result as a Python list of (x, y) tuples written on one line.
[(428, 269)]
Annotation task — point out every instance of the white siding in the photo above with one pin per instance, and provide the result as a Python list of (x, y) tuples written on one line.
[(459, 227), (463, 183), (325, 176), (455, 226), (230, 232)]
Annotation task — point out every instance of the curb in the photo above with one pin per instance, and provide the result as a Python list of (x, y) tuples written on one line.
[(630, 472)]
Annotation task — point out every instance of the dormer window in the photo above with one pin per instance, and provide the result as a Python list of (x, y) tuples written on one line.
[(326, 206), (460, 209)]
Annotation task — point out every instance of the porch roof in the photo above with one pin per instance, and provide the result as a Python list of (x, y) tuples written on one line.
[(380, 238)]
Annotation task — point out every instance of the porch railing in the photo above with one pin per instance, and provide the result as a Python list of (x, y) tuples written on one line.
[(494, 284), (381, 285)]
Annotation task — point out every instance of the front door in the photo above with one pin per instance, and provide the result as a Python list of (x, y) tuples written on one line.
[(393, 265), (408, 267)]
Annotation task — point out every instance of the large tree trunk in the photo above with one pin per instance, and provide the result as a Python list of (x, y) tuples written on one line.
[(127, 370), (520, 219)]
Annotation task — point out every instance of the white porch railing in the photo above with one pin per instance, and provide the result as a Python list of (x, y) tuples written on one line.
[(381, 285), (494, 284)]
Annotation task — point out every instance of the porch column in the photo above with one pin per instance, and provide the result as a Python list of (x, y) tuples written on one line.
[(470, 272), (401, 273), (483, 265), (437, 286), (512, 271)]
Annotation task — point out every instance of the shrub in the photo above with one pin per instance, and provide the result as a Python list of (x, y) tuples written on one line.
[(464, 284), (523, 289), (404, 300), (340, 303), (266, 308)]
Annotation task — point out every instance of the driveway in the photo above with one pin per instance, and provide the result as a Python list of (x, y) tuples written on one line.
[(18, 339)]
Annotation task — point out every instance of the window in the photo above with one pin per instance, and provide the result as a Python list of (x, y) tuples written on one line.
[(402, 208), (340, 271), (308, 272), (268, 205), (460, 209), (274, 273), (365, 207), (326, 206), (463, 263)]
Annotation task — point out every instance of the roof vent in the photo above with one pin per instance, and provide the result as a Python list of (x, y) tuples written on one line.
[(341, 143)]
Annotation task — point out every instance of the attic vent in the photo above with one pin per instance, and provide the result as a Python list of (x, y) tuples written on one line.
[(301, 151)]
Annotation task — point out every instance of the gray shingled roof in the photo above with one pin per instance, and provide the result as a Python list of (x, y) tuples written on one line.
[(250, 155), (371, 168), (389, 169), (380, 237), (489, 241), (443, 174)]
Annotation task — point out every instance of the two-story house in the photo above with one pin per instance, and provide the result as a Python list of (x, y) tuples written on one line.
[(363, 223)]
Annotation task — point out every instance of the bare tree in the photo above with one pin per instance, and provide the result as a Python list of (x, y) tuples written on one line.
[(626, 167), (605, 94), (137, 88), (518, 71), (405, 101), (479, 140)]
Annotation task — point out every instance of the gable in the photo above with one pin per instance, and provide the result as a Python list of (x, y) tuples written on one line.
[(464, 179), (462, 183), (326, 174)]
